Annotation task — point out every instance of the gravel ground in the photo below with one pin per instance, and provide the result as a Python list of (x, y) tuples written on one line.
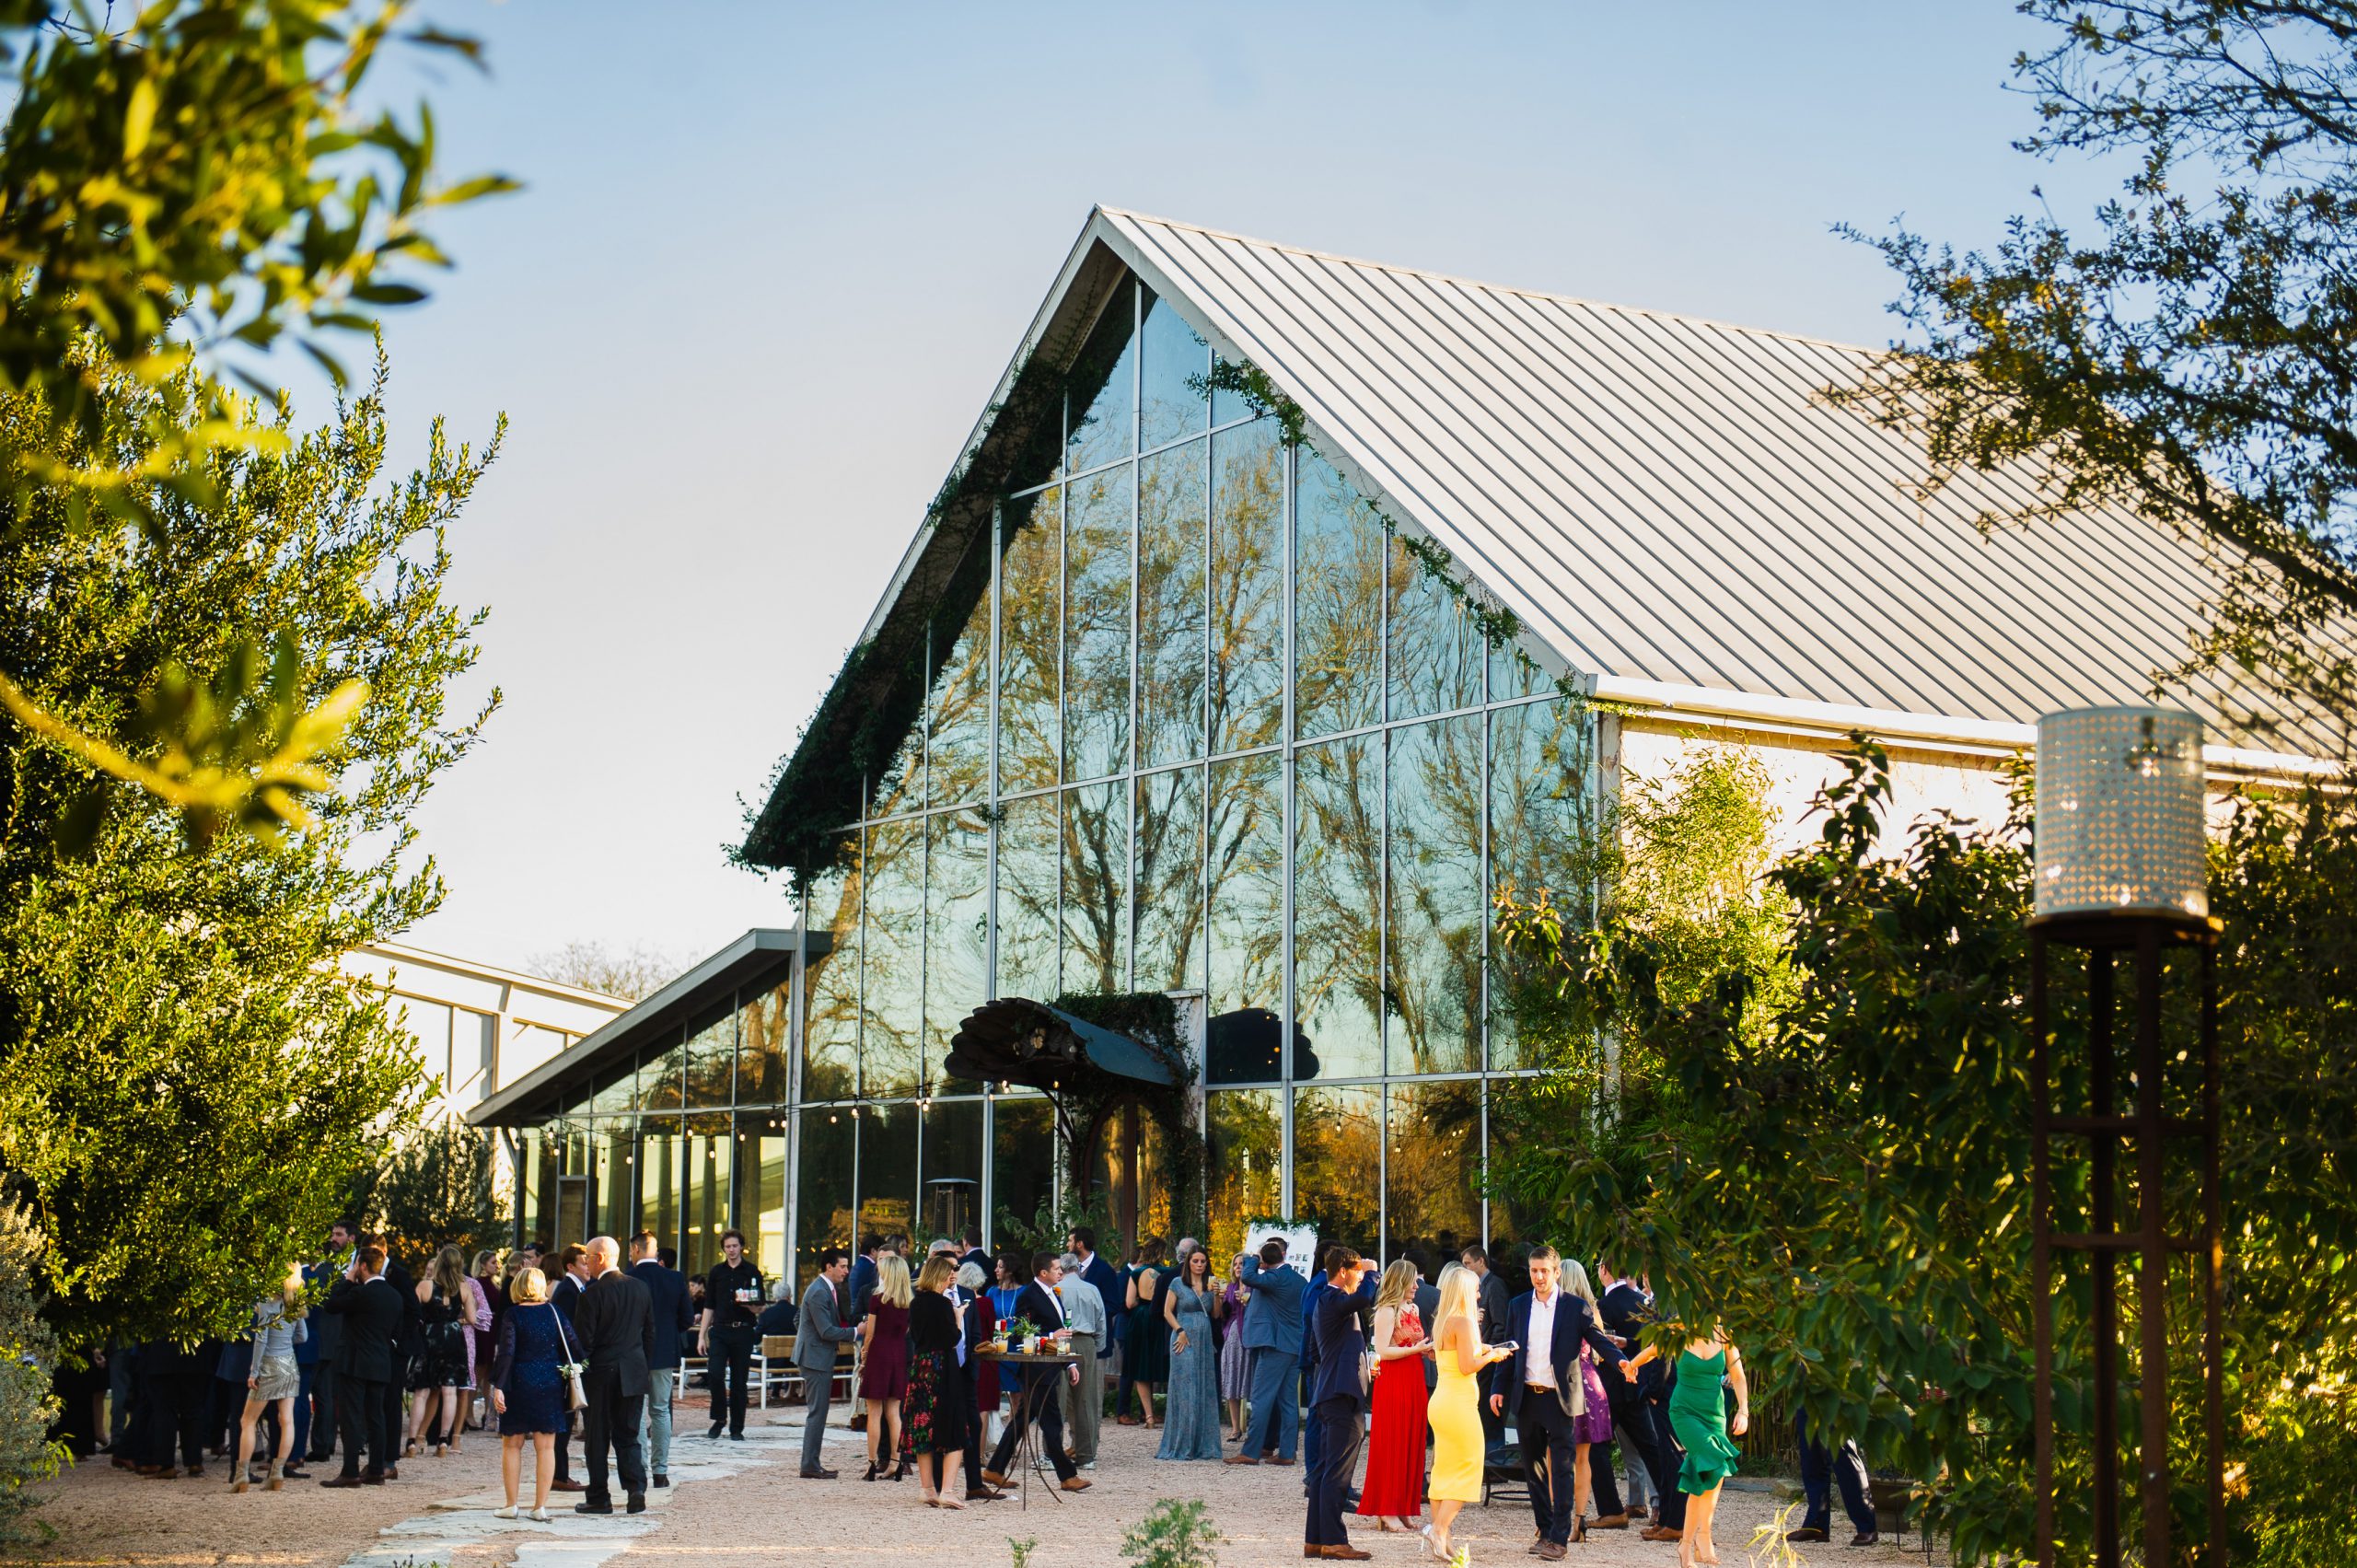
[(766, 1514)]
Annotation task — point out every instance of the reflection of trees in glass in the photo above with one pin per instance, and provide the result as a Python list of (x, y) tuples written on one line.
[(1247, 1148), (1170, 606), (1339, 551), (1023, 1152), (1030, 645), (1244, 816), (1337, 903), (656, 1204), (1542, 822), (822, 1186), (710, 1142), (1171, 354), (761, 1046), (957, 754), (1248, 588), (831, 1026), (760, 1190), (892, 958), (1511, 678), (712, 1060), (1432, 1167), (1097, 625), (1102, 387), (1437, 909), (1337, 1152), (956, 927), (1129, 1172), (1097, 889), (1169, 893), (662, 1077), (1030, 858), (1435, 652)]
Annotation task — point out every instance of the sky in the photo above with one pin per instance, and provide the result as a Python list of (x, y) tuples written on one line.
[(770, 260)]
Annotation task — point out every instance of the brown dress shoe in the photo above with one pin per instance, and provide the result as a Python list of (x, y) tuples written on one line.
[(1078, 1483), (1806, 1532), (1609, 1522), (1348, 1553), (992, 1478), (1865, 1538), (1661, 1532), (1553, 1551), (568, 1486), (1239, 1460), (1276, 1461)]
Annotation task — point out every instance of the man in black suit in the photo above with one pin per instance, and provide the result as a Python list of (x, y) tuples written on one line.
[(371, 1313), (1034, 1398), (615, 1326), (667, 1292), (1639, 1421), (408, 1339), (1540, 1387), (1490, 1297), (328, 1334), (565, 1295), (1338, 1398)]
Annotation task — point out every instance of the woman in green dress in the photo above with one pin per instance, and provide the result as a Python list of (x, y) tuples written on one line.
[(1698, 1416)]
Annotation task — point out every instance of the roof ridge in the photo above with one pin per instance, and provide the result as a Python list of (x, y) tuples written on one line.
[(1461, 279)]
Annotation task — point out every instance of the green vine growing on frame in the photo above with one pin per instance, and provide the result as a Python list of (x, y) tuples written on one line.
[(1242, 378)]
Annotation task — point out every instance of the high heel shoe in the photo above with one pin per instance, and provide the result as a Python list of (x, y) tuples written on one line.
[(439, 1448), (900, 1471), (873, 1466), (1579, 1526), (410, 1450)]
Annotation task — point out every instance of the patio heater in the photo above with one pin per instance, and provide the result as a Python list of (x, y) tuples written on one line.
[(2120, 877)]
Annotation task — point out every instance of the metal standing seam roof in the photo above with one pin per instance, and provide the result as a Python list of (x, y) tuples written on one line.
[(1668, 500)]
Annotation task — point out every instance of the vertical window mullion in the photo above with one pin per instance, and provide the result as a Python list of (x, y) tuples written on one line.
[(1290, 826)]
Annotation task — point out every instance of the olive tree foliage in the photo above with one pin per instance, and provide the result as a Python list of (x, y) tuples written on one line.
[(2190, 350), (178, 178), (27, 1404), (435, 1191), (1824, 1146), (187, 1082)]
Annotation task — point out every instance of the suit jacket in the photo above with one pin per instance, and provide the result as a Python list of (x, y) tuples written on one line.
[(1573, 1325), (615, 1324), (370, 1311), (565, 1295), (667, 1291), (1624, 1311), (1341, 1342), (1274, 1321), (861, 1286), (1109, 1282), (1427, 1299), (1038, 1303), (824, 1332), (327, 1332), (1491, 1297), (408, 1334)]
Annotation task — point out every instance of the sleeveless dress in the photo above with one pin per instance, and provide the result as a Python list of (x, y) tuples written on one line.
[(884, 1374), (1190, 1421), (534, 1389), (443, 1364), (1698, 1416), (1395, 1454), (1593, 1424), (1149, 1337), (1235, 1361), (1459, 1446)]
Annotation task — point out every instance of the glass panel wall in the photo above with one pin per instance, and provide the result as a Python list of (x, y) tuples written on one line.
[(1200, 720)]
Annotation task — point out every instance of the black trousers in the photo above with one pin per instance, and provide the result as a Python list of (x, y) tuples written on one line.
[(731, 1365), (324, 1428), (1036, 1400), (975, 1431), (1547, 1453), (1822, 1472), (360, 1408), (174, 1405), (612, 1421), (389, 1404), (1339, 1434), (1667, 1459)]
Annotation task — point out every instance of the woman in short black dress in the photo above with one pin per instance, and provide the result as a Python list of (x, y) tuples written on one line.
[(440, 1371), (935, 1429), (527, 1388)]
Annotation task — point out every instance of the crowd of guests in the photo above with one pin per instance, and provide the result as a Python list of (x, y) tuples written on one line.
[(1419, 1372)]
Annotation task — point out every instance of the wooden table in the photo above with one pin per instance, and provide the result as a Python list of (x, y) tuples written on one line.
[(1027, 1445)]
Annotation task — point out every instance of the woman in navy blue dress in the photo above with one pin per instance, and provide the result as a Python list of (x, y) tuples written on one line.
[(528, 1389)]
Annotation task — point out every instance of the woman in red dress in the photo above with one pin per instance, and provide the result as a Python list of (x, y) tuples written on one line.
[(884, 1366), (1394, 1490)]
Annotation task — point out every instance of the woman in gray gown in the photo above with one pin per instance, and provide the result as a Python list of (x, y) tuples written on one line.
[(1191, 1419)]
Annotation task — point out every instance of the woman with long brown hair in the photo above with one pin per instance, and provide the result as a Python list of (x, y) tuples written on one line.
[(441, 1374), (1190, 1304), (1395, 1452)]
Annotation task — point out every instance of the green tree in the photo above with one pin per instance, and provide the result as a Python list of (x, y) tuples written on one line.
[(435, 1191), (2192, 350), (28, 1351), (1841, 1175), (187, 1081), (189, 176)]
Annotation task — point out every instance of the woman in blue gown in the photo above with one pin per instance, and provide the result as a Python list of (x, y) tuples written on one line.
[(1191, 1418)]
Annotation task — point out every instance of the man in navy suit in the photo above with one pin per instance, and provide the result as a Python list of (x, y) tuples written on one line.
[(1272, 1340), (1540, 1385), (1337, 1398)]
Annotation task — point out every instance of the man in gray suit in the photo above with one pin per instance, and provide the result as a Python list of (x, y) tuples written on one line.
[(817, 1343)]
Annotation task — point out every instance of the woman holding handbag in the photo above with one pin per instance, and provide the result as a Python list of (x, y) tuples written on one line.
[(531, 1388)]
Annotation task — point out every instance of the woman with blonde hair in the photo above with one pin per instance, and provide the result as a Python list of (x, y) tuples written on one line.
[(884, 1364), (1454, 1410), (277, 1329), (938, 1396), (527, 1388), (1394, 1488)]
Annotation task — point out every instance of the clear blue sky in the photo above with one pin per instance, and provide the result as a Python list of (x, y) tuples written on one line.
[(771, 260)]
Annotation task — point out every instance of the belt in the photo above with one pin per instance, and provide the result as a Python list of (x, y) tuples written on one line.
[(1542, 1387)]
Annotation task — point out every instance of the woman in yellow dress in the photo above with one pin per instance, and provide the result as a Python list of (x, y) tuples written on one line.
[(1455, 1412)]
